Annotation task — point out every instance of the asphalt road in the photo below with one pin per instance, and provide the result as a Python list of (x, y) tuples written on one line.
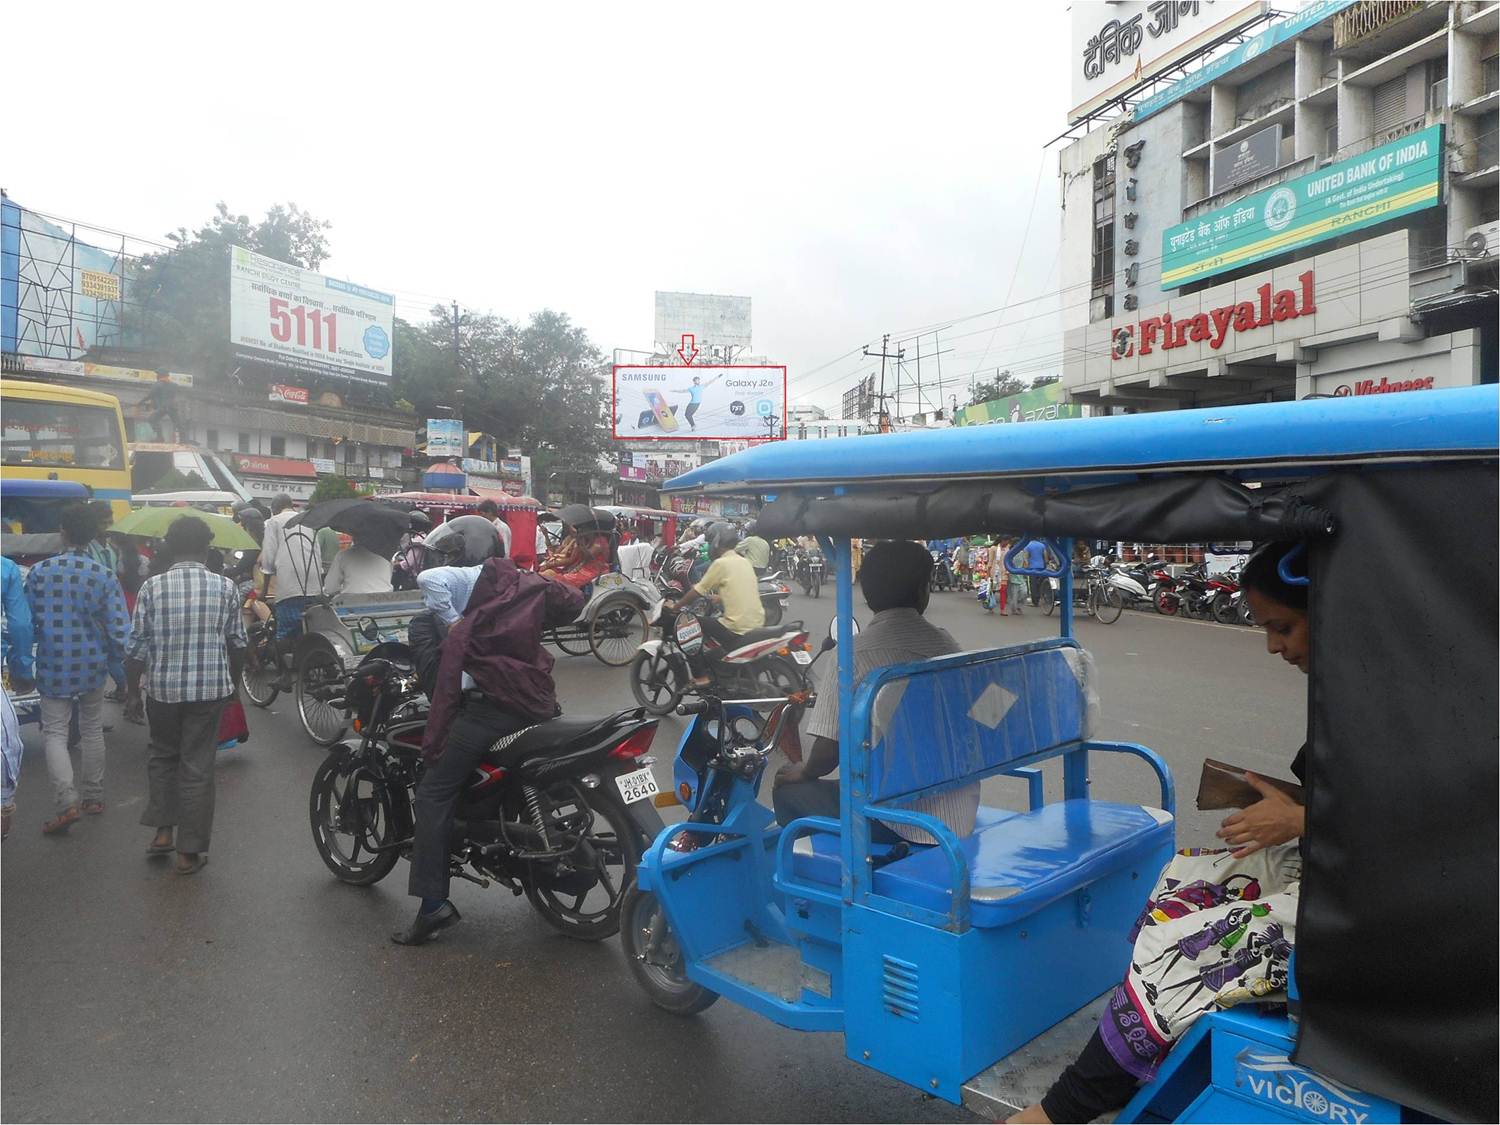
[(262, 989)]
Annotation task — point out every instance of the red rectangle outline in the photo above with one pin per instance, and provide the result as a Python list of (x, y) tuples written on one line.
[(614, 396)]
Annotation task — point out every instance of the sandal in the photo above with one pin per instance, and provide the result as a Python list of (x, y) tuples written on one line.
[(195, 865), (61, 822), (93, 808)]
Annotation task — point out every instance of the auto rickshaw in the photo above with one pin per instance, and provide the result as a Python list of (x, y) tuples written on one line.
[(974, 969)]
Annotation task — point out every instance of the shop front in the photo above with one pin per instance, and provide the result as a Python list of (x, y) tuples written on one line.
[(269, 477)]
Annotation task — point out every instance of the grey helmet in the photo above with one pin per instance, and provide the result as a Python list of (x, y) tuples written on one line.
[(463, 541), (722, 536)]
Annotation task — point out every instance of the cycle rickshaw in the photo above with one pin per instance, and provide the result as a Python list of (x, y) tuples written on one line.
[(974, 969)]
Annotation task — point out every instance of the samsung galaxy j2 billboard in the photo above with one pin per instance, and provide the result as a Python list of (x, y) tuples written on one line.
[(713, 403)]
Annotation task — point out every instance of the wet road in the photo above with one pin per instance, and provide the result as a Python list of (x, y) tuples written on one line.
[(263, 989)]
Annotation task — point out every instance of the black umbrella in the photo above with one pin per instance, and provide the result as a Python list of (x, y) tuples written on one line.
[(376, 527)]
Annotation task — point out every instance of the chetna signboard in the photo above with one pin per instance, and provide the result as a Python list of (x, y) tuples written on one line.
[(1383, 183)]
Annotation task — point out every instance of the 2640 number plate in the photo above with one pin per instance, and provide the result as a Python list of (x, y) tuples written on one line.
[(636, 786)]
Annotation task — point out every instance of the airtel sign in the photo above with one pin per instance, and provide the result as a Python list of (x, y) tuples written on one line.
[(1214, 326)]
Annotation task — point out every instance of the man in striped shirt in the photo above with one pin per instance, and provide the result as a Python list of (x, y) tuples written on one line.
[(189, 634), (895, 582)]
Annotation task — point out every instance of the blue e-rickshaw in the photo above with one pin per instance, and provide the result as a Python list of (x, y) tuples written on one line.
[(974, 969)]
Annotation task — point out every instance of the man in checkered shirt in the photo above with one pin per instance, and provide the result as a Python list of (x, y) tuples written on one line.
[(78, 613), (189, 634)]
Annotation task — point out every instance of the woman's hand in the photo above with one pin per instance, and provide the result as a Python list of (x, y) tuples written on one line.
[(1274, 819)]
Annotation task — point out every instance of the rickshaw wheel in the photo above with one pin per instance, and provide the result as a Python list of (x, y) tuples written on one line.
[(320, 676), (573, 643), (617, 629), (1107, 604), (654, 958), (260, 684)]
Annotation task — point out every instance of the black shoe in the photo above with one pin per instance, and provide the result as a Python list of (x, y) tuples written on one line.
[(424, 926)]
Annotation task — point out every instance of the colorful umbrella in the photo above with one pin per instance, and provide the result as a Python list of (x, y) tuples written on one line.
[(152, 523)]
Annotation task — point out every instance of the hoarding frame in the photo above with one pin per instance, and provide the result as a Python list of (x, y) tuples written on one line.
[(679, 371), (706, 334)]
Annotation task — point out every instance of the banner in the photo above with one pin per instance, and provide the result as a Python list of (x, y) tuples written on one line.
[(446, 437), (705, 403), (1394, 179), (1040, 404), (280, 392), (295, 318)]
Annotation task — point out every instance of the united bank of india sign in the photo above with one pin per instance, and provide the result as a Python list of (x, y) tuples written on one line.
[(1214, 326)]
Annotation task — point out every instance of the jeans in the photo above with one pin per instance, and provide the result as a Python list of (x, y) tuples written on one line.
[(289, 614), (56, 715), (180, 771), (713, 629), (478, 726), (818, 798), (1036, 588)]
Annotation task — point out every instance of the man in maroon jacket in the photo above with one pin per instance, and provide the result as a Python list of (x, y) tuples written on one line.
[(498, 643)]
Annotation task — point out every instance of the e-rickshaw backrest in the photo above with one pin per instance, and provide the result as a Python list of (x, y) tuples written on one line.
[(958, 718)]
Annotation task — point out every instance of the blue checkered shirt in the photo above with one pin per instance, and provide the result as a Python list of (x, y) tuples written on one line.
[(186, 620), (78, 616)]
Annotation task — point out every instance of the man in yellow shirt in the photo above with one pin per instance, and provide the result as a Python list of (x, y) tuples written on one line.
[(731, 579)]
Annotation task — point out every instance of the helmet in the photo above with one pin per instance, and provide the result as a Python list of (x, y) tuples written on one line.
[(464, 541), (418, 520), (722, 536)]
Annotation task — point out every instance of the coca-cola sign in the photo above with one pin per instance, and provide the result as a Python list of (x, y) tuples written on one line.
[(281, 392)]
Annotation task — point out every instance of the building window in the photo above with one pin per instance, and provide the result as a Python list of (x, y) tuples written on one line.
[(1437, 85), (1390, 104), (278, 446), (244, 442), (1103, 273), (212, 439)]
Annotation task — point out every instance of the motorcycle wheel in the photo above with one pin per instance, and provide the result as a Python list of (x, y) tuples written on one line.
[(261, 684), (1223, 610), (595, 914), (617, 630), (779, 676), (1245, 614), (656, 682), (653, 956), (817, 587), (574, 643), (773, 615), (1166, 602), (1107, 604), (350, 813), (318, 672)]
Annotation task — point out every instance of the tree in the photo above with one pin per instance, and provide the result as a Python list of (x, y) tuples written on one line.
[(177, 302), (331, 487), (1002, 385)]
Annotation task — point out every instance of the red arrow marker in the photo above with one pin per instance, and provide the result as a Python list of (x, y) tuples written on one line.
[(688, 350)]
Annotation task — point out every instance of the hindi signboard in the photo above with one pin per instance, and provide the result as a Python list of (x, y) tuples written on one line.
[(1251, 158), (654, 403), (290, 317), (1383, 183)]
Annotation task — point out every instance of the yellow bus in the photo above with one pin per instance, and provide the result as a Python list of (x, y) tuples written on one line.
[(62, 433)]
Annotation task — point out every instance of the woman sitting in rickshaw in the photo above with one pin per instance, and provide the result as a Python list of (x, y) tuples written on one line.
[(586, 550), (1218, 929)]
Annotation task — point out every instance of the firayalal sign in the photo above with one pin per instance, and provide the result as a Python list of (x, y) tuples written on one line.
[(296, 318), (1040, 404), (1392, 180), (1213, 326)]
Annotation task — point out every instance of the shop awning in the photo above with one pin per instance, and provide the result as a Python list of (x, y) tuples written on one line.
[(275, 467)]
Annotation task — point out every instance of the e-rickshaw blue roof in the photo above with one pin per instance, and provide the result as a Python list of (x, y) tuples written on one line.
[(1390, 427)]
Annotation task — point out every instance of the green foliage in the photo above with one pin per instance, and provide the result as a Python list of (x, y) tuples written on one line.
[(175, 480), (178, 300), (1002, 385), (1045, 380), (404, 406), (331, 487), (541, 387)]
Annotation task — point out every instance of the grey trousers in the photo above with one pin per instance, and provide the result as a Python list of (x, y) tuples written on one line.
[(180, 771), (56, 716)]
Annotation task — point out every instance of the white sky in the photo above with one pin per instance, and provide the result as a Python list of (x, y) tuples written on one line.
[(853, 168)]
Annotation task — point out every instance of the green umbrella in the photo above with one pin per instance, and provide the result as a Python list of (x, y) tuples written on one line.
[(152, 523)]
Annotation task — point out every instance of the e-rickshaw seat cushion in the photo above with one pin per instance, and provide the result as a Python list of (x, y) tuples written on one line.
[(1018, 861)]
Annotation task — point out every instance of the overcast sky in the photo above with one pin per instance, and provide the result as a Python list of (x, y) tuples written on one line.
[(853, 168)]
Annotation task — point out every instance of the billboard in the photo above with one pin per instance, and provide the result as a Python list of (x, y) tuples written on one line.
[(1394, 179), (703, 403), (61, 296), (1040, 404), (712, 320), (298, 319), (446, 437), (1116, 47)]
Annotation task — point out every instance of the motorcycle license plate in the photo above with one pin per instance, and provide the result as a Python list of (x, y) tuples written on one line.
[(636, 786), (801, 656)]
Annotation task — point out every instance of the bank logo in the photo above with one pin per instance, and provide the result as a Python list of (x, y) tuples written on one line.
[(1274, 1078), (1281, 209)]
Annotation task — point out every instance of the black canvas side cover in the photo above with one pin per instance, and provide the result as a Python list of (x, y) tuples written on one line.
[(1396, 955)]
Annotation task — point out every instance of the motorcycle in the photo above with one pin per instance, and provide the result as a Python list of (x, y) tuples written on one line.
[(1227, 603), (768, 662), (558, 812), (942, 573), (774, 597), (812, 579)]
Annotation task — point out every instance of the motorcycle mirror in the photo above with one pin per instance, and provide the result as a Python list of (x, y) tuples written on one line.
[(833, 632), (369, 629)]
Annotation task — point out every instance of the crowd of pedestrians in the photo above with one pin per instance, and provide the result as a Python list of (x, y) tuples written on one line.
[(170, 643)]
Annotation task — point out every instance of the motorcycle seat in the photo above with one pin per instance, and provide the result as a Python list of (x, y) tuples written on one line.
[(555, 736), (755, 636)]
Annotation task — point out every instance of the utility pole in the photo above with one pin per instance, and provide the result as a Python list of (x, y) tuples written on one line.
[(884, 354)]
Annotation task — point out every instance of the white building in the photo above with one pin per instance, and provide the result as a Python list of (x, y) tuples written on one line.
[(1312, 211)]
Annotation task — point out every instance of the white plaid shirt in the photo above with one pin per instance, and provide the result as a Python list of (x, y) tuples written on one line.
[(186, 620)]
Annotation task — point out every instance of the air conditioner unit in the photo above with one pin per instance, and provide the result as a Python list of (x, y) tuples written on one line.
[(1482, 241)]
